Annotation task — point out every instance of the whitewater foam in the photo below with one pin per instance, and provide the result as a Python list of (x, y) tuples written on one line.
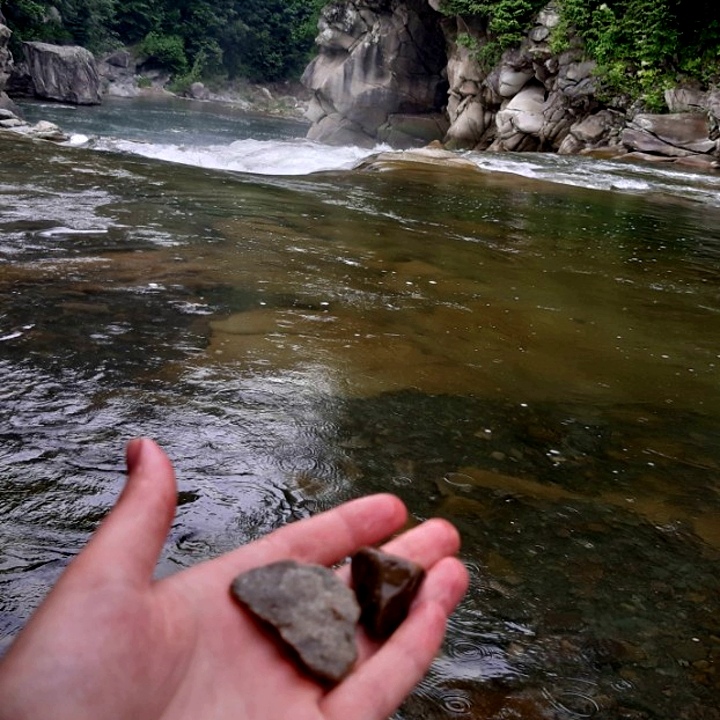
[(258, 157)]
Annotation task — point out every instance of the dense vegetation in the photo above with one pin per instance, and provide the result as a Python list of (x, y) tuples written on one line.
[(641, 46), (259, 39)]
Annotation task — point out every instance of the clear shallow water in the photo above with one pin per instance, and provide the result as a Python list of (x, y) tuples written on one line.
[(535, 361)]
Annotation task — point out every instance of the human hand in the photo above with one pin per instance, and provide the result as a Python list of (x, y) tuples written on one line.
[(110, 643)]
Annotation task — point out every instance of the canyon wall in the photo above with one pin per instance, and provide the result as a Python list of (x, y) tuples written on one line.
[(398, 71)]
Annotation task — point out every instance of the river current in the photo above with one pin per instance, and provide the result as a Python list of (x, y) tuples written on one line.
[(527, 345)]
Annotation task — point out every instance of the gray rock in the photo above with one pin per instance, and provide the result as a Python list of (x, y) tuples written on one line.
[(198, 91), (313, 611), (407, 131), (376, 59), (6, 59), (66, 74), (511, 82), (11, 122), (674, 135), (45, 130), (688, 131)]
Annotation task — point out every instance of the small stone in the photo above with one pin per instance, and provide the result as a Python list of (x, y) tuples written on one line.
[(385, 586), (313, 611)]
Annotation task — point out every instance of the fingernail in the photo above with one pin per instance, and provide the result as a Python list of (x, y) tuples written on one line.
[(133, 453)]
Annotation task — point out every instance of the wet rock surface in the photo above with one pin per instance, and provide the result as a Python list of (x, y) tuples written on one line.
[(313, 611), (385, 586)]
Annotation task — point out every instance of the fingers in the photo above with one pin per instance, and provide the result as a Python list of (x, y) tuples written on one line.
[(324, 539), (424, 544), (129, 541), (377, 687)]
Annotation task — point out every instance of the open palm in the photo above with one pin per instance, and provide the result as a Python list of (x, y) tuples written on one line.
[(110, 643)]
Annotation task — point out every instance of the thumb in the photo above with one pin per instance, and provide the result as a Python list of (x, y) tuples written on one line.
[(128, 542)]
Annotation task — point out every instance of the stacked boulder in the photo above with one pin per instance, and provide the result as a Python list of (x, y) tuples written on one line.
[(528, 101), (383, 73)]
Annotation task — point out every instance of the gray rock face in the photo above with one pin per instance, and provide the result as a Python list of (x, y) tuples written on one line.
[(6, 59), (118, 74), (314, 612), (65, 74), (677, 134), (528, 101), (377, 59), (6, 66)]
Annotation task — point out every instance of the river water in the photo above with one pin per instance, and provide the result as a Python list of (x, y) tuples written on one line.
[(526, 345)]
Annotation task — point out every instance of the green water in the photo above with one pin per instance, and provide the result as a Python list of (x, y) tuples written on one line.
[(536, 362)]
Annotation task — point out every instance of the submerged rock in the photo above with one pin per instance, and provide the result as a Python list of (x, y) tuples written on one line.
[(385, 586), (313, 611)]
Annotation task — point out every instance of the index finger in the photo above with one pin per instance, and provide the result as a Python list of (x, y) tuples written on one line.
[(324, 539)]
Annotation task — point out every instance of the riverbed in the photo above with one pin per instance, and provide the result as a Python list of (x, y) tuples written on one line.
[(526, 345)]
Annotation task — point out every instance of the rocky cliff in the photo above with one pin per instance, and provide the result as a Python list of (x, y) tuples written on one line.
[(400, 71), (379, 74), (6, 64)]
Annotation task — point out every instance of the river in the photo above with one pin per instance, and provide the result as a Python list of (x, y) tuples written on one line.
[(527, 345)]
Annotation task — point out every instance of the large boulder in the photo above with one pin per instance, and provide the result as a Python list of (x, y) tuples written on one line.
[(378, 59), (6, 59), (63, 73), (520, 120), (6, 66), (674, 135)]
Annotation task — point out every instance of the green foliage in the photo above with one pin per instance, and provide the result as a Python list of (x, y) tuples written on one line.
[(486, 53), (167, 51), (271, 39), (643, 47), (507, 20), (134, 19), (31, 20)]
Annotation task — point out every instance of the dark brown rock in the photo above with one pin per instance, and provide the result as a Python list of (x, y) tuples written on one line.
[(385, 586), (313, 611)]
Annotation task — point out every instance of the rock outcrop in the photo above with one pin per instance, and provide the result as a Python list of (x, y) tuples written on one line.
[(62, 73), (382, 69), (10, 119), (118, 74), (379, 74), (528, 101), (6, 66)]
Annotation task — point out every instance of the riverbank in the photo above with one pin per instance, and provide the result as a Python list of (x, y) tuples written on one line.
[(123, 75)]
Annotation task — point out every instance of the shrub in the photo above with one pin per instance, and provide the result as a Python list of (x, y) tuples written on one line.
[(167, 51)]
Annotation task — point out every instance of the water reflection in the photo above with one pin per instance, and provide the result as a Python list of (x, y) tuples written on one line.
[(535, 363)]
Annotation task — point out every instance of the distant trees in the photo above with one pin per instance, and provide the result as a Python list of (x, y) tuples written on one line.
[(259, 39)]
